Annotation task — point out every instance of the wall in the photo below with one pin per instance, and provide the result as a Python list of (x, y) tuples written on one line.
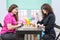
[(56, 8), (55, 5), (2, 10)]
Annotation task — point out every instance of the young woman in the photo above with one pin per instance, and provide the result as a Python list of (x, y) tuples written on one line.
[(47, 22), (10, 24)]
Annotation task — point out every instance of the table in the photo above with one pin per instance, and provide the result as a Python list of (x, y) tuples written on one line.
[(29, 32)]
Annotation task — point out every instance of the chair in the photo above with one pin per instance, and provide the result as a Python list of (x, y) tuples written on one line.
[(57, 26), (0, 25), (0, 30), (58, 36)]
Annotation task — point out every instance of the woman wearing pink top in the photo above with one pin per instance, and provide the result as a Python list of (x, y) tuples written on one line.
[(10, 24)]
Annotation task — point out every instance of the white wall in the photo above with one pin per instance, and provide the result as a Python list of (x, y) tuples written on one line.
[(56, 8), (55, 5), (22, 13), (2, 10)]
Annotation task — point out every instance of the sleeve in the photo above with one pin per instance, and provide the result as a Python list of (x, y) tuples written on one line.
[(57, 26), (50, 23), (46, 21), (40, 22), (8, 20)]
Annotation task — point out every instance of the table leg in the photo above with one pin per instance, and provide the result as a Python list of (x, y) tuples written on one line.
[(19, 36), (29, 36), (26, 37)]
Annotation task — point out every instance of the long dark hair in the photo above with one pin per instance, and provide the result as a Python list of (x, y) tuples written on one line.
[(13, 6), (46, 7)]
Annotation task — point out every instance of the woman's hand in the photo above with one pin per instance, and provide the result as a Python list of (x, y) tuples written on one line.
[(41, 26), (33, 24), (20, 24)]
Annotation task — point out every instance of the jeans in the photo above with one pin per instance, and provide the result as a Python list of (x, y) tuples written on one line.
[(49, 37), (10, 36)]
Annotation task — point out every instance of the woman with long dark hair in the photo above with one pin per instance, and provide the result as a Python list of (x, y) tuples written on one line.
[(10, 24), (47, 22)]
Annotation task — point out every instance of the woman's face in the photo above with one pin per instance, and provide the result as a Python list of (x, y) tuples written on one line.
[(14, 11), (44, 11)]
